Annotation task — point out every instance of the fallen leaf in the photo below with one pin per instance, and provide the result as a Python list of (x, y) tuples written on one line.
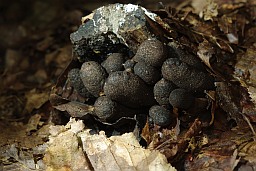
[(24, 160), (75, 109), (20, 150), (213, 160), (113, 153), (145, 134), (227, 97), (205, 52), (206, 9), (210, 11), (198, 5), (165, 140), (248, 151), (245, 71), (33, 123), (35, 99), (64, 152), (121, 153)]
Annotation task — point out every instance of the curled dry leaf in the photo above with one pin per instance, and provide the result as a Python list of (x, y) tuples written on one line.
[(35, 99), (248, 151), (22, 145), (210, 10), (164, 140), (15, 158), (33, 122), (198, 5), (228, 99), (64, 152), (224, 151), (205, 52), (121, 153), (213, 160), (245, 70), (183, 142), (75, 109), (207, 9), (114, 153), (145, 134)]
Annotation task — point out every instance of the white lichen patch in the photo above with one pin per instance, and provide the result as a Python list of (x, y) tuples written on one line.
[(115, 18)]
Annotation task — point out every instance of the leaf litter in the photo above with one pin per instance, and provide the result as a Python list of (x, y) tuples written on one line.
[(102, 153)]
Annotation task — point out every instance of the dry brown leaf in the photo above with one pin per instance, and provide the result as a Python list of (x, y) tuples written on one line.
[(11, 106), (210, 11), (12, 60), (205, 52), (145, 134), (33, 123), (60, 57), (21, 149), (114, 153), (63, 152), (221, 157), (41, 76), (198, 5), (121, 153), (165, 140), (222, 44), (45, 43), (22, 159), (168, 144), (206, 9), (248, 151), (245, 71), (17, 133), (35, 99), (75, 109)]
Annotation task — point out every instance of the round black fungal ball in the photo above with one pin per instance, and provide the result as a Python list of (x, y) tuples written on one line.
[(105, 108), (128, 89), (147, 73), (152, 52), (114, 62), (181, 98), (160, 115), (186, 77), (129, 64), (77, 83), (93, 77), (108, 110), (162, 90), (176, 51), (75, 79)]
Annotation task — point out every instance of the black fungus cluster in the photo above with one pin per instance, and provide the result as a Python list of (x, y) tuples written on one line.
[(156, 79)]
